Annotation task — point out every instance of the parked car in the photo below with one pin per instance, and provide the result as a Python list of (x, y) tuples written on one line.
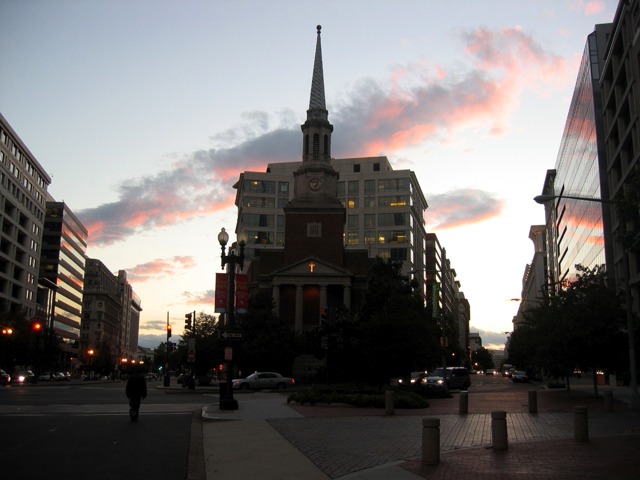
[(61, 376), (44, 377), (5, 378), (23, 377), (519, 376), (454, 378), (260, 380)]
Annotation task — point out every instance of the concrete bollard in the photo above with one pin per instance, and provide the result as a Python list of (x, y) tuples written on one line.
[(499, 439), (389, 402), (580, 424), (464, 403), (430, 441), (608, 400), (533, 401)]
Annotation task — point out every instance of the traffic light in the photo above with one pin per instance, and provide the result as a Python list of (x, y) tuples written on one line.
[(36, 327), (168, 331), (187, 322)]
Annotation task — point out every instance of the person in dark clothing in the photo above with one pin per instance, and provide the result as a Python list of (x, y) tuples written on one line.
[(136, 390)]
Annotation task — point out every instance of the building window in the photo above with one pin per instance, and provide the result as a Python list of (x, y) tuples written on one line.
[(393, 219), (283, 188), (352, 238), (370, 237), (370, 220), (376, 167), (393, 200), (398, 254), (314, 229), (259, 202), (356, 168), (353, 187), (369, 186), (352, 222), (260, 186)]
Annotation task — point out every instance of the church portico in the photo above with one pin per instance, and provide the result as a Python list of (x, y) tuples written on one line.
[(300, 291)]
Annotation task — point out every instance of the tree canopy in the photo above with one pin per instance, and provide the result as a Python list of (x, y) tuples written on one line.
[(580, 327)]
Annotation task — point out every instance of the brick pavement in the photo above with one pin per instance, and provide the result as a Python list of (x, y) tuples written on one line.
[(344, 440)]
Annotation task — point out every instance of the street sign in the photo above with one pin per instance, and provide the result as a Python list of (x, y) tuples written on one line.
[(231, 335)]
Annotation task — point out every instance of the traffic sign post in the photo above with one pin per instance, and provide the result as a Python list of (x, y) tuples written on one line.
[(228, 335)]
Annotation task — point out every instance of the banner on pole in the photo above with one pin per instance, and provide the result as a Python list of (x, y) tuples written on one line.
[(222, 292), (242, 293)]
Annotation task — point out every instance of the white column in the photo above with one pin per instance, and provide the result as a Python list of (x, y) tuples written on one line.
[(346, 296), (275, 295), (323, 296), (299, 306)]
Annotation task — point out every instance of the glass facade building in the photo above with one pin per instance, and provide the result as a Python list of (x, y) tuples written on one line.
[(577, 232), (62, 272)]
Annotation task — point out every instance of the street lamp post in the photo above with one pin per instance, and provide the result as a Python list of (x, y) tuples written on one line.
[(230, 260), (634, 400)]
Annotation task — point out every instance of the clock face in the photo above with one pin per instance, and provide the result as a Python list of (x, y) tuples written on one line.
[(315, 184)]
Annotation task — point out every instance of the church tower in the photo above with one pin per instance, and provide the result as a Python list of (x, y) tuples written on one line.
[(314, 218)]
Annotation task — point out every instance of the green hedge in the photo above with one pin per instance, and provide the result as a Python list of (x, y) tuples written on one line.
[(373, 398)]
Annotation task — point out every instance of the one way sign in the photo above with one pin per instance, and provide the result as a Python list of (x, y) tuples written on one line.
[(231, 335)]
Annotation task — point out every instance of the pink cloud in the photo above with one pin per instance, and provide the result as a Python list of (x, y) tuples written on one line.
[(419, 104), (160, 267)]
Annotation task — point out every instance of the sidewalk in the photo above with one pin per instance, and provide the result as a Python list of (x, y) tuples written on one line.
[(268, 439)]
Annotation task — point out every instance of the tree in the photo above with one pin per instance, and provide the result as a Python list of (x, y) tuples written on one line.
[(578, 327), (391, 334), (481, 359), (268, 342)]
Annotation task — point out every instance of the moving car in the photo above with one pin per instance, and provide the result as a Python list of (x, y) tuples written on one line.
[(454, 378), (519, 376), (23, 377), (5, 378), (260, 380)]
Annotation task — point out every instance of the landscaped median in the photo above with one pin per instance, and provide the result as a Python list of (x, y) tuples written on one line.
[(357, 396)]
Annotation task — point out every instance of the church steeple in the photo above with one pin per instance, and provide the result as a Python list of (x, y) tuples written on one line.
[(316, 102), (316, 131)]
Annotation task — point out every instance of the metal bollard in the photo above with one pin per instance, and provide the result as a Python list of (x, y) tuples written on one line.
[(608, 400), (499, 439), (389, 402), (430, 441), (533, 401), (580, 424), (464, 403)]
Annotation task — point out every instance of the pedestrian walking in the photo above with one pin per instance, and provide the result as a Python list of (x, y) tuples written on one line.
[(136, 390)]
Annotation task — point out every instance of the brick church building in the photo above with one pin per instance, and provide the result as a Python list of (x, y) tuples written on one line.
[(313, 270)]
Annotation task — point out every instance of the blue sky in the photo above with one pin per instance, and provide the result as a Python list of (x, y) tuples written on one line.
[(145, 112)]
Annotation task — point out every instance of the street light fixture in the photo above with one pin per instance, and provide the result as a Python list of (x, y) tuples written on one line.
[(230, 260), (634, 400)]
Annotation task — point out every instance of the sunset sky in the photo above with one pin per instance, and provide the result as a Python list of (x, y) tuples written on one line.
[(145, 112)]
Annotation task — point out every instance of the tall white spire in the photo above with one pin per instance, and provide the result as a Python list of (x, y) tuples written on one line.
[(316, 101)]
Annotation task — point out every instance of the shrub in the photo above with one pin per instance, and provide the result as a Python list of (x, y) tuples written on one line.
[(370, 398)]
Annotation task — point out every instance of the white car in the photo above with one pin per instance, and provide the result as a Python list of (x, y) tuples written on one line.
[(260, 380)]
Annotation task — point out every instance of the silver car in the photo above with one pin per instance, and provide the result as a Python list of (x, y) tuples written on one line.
[(260, 380)]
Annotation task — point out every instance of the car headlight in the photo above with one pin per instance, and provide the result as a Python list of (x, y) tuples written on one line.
[(440, 382)]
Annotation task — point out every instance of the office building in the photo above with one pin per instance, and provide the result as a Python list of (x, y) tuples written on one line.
[(61, 279), (620, 83), (578, 231), (23, 194), (130, 323)]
